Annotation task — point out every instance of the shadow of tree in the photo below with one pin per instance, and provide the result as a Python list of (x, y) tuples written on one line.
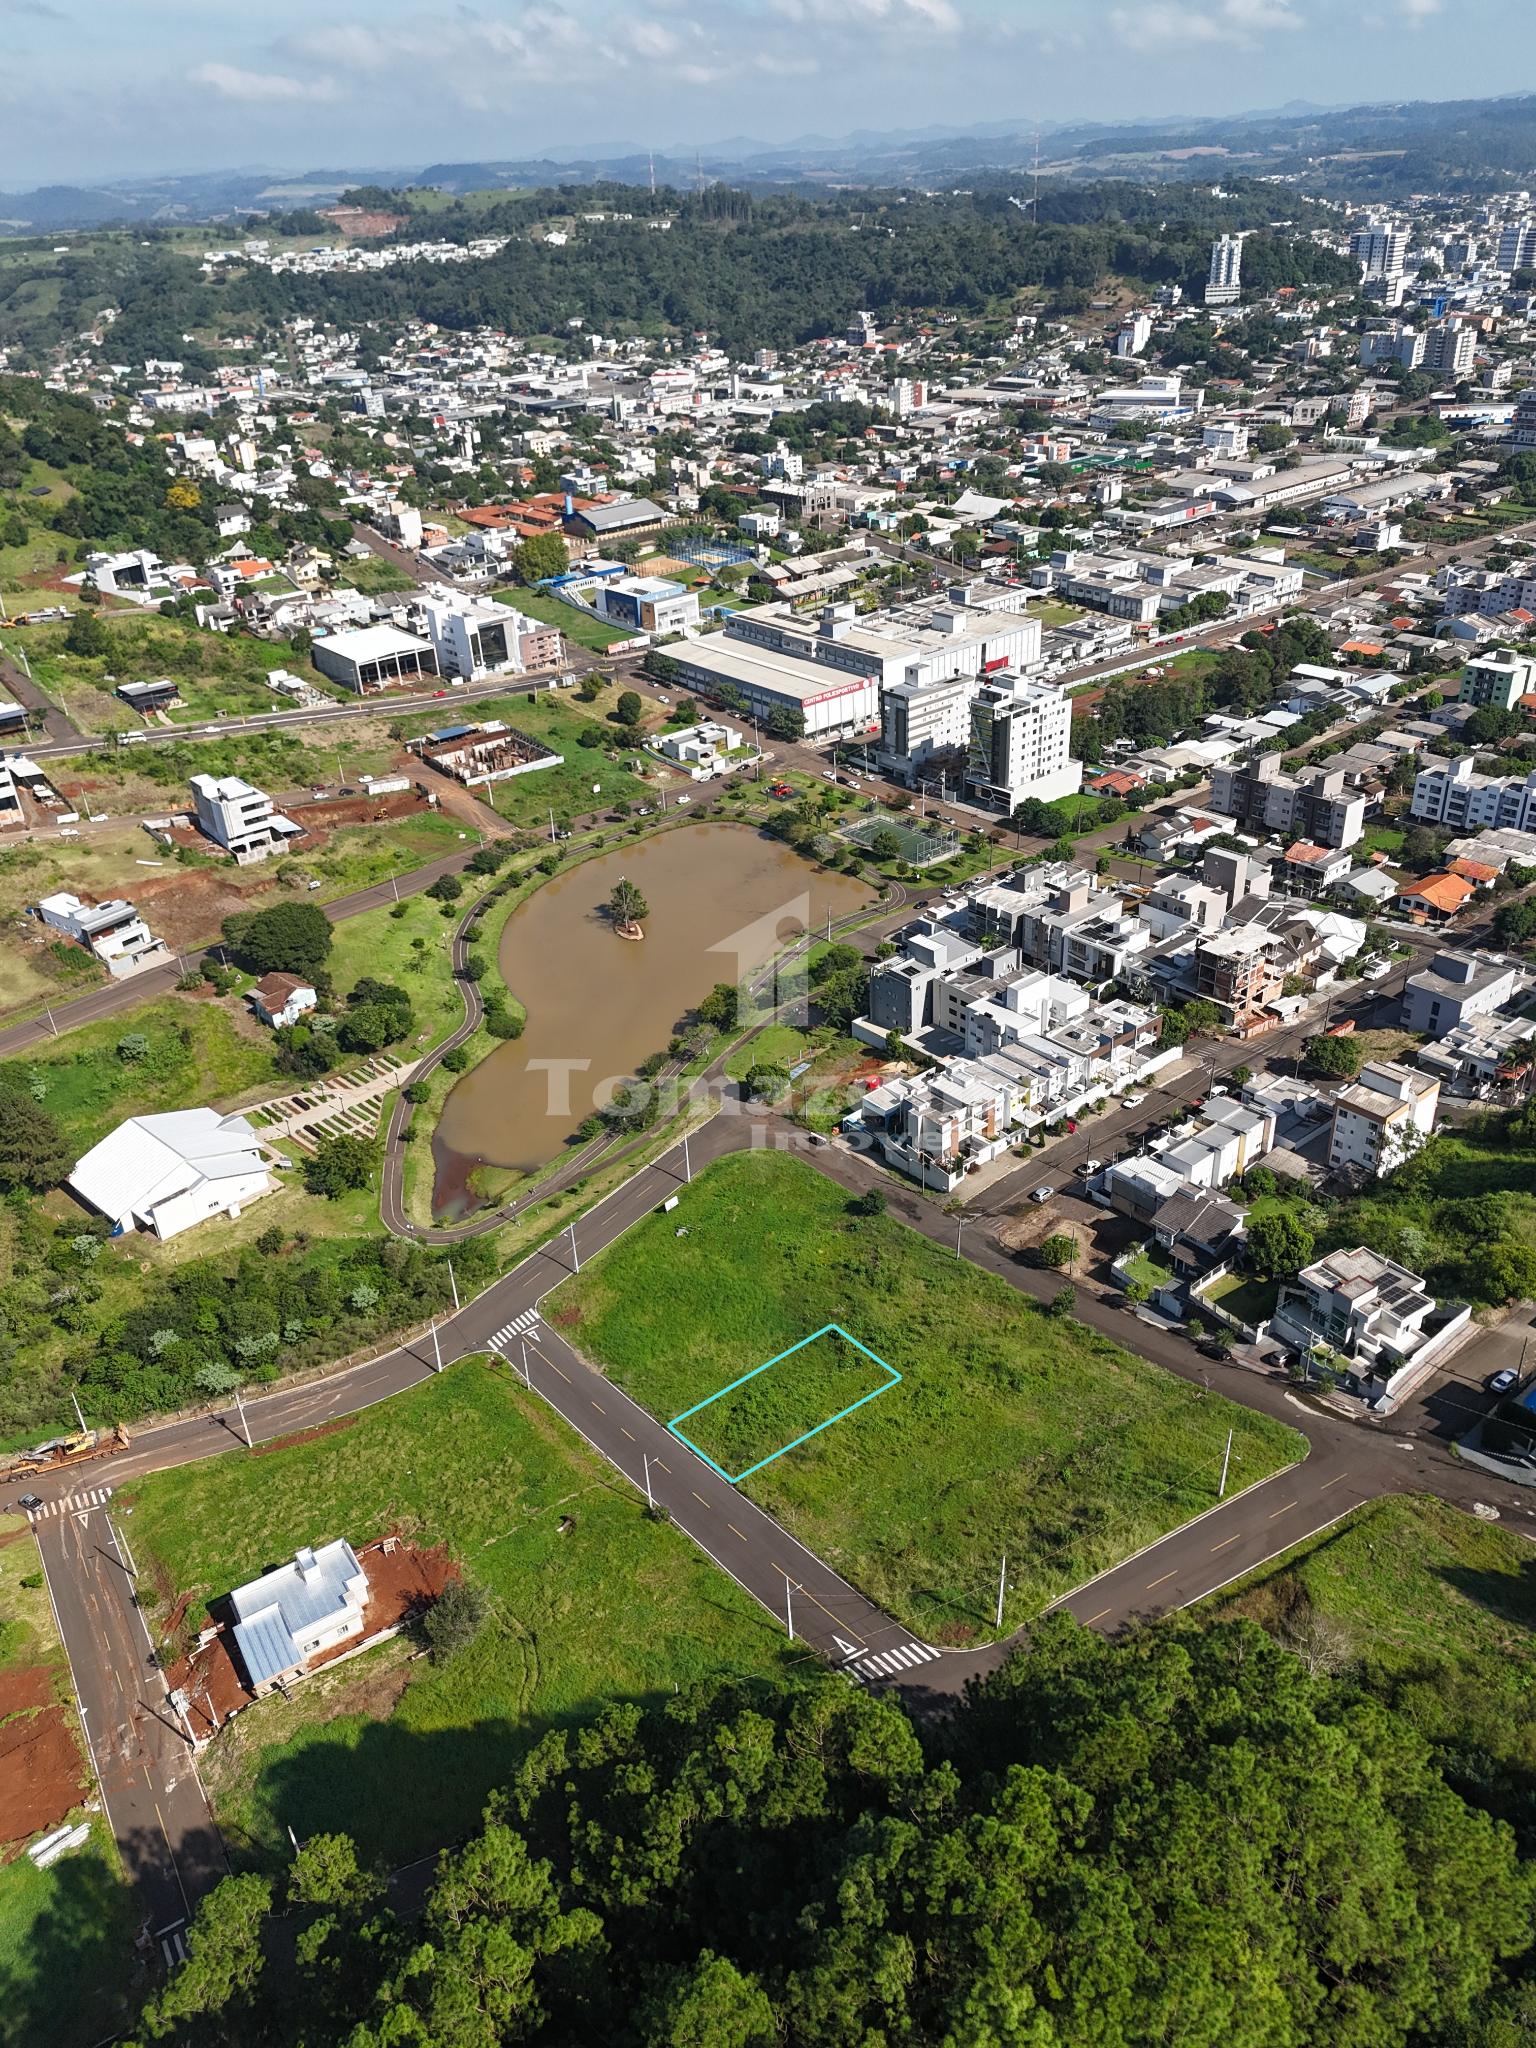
[(69, 1974)]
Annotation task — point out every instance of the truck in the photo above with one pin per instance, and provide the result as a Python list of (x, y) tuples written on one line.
[(63, 1452)]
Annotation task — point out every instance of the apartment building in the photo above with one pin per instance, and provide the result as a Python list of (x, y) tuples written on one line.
[(237, 816), (1498, 679), (1451, 794), (1021, 743), (1224, 279), (1490, 593), (1380, 1117), (1456, 989), (1450, 349), (1318, 803)]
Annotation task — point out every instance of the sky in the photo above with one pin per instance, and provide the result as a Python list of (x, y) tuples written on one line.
[(103, 88)]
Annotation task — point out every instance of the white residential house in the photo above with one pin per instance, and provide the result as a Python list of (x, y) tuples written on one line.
[(1380, 1117), (165, 1173), (288, 1617), (705, 749), (280, 999), (236, 815), (114, 932), (1377, 1318)]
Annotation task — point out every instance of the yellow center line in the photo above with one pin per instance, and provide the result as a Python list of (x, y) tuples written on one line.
[(658, 1462), (599, 1407), (1333, 1482), (624, 1432), (1230, 1539), (1096, 1617), (703, 1503), (735, 1531), (1160, 1582), (830, 1615), (1283, 1511)]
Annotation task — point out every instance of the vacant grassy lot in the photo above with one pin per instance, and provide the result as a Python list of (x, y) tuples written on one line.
[(1012, 1430), (66, 1934), (580, 630), (612, 1606), (784, 1401), (214, 672), (411, 950), (177, 1053)]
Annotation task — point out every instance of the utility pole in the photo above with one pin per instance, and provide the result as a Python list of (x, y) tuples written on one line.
[(437, 1349), (649, 1497), (1226, 1459), (453, 1283), (122, 1543), (244, 1425), (527, 1376), (1002, 1587), (575, 1255), (687, 1163), (789, 1606), (79, 1416), (959, 1226)]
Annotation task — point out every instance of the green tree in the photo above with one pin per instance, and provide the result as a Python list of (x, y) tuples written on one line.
[(627, 906), (630, 708), (1057, 1250), (541, 556), (224, 1967), (1280, 1242), (33, 1150), (455, 1618), (446, 888), (721, 1008), (339, 1164), (290, 938), (1340, 1057), (885, 844), (87, 636)]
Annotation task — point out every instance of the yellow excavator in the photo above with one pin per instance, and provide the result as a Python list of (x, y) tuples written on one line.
[(61, 1452)]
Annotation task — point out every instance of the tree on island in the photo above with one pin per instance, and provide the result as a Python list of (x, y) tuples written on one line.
[(627, 907)]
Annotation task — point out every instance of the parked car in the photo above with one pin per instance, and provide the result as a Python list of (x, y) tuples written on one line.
[(1377, 969), (1503, 1382), (1090, 1167), (1043, 1193), (31, 1502), (1133, 1101)]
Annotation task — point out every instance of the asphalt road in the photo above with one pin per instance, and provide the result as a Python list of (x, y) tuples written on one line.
[(150, 1789)]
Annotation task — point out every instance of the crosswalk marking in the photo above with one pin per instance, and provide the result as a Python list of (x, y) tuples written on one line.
[(520, 1326), (886, 1663), (172, 1947), (71, 1503)]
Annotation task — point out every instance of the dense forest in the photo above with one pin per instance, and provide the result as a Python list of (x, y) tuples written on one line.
[(1189, 1837), (750, 270)]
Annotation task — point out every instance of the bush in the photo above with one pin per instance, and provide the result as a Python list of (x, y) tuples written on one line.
[(446, 889), (455, 1618), (455, 1059)]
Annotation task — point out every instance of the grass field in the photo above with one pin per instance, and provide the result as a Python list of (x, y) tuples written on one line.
[(782, 1402), (577, 627), (214, 672), (66, 1933), (616, 1607), (179, 1054), (1013, 1430), (411, 950)]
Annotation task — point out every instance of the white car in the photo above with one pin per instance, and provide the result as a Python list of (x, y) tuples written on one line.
[(1043, 1193), (1133, 1101), (1378, 970), (1090, 1167)]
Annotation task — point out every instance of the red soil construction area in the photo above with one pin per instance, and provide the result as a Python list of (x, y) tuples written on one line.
[(42, 1771), (402, 1581)]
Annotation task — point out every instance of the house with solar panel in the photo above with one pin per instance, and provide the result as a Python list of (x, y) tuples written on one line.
[(289, 1618)]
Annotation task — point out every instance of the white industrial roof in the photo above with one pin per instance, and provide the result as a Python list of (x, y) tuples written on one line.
[(150, 1158), (374, 643)]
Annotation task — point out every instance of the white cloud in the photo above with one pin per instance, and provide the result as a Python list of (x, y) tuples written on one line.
[(1171, 24), (1420, 10), (260, 88)]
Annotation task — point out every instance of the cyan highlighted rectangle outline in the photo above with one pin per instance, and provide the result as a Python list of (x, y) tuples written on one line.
[(893, 1379)]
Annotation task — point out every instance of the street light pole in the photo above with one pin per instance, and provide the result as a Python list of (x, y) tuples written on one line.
[(687, 1163), (453, 1283), (1002, 1586), (789, 1606), (575, 1255), (649, 1497), (959, 1226), (527, 1376), (244, 1425), (437, 1349), (1226, 1459)]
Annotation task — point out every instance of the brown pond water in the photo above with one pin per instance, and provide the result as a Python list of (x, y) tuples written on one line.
[(723, 899)]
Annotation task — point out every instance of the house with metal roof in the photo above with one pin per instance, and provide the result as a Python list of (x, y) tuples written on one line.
[(165, 1173), (289, 1617)]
